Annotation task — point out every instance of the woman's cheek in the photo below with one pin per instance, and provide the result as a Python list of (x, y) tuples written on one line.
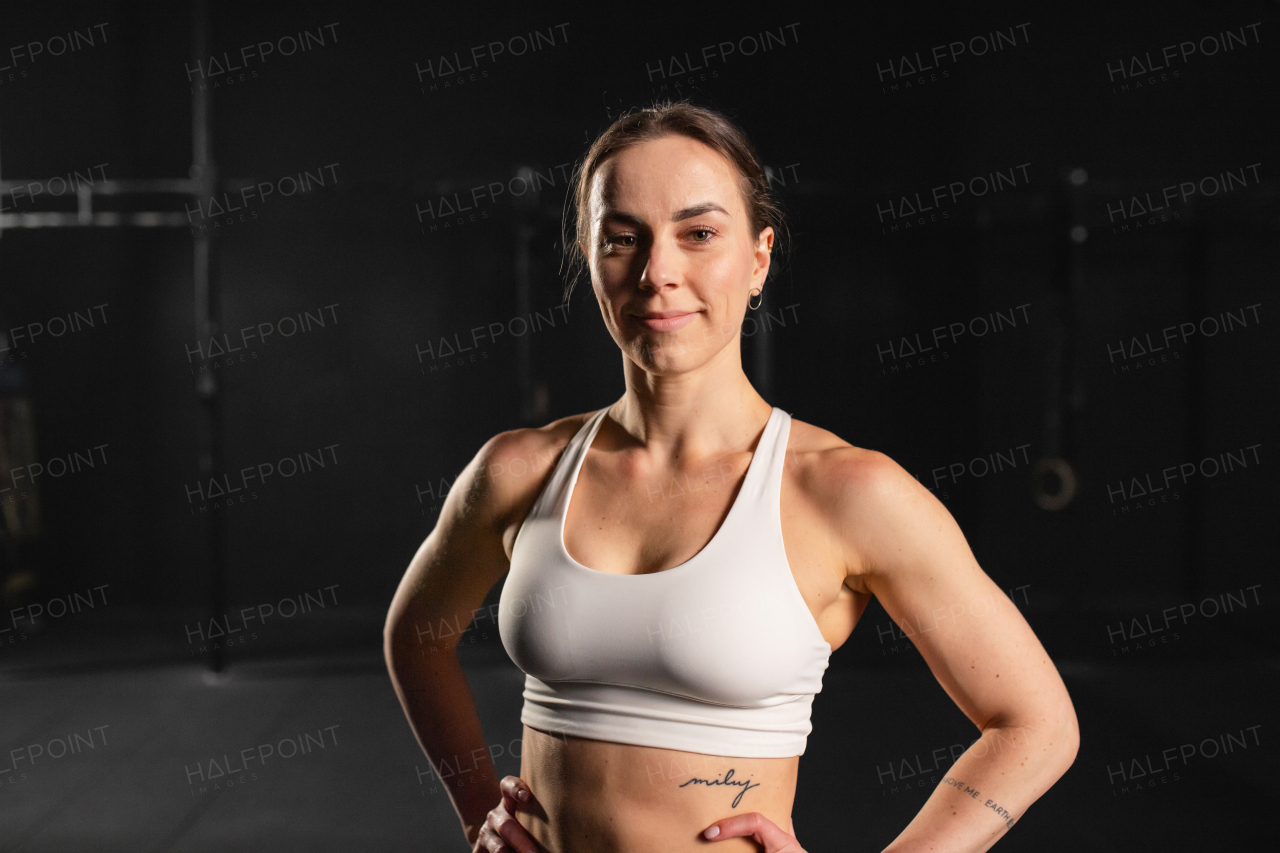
[(724, 276)]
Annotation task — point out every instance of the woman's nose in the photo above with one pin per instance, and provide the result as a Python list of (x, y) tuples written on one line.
[(662, 265)]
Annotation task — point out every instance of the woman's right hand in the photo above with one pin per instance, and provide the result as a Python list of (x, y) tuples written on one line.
[(501, 832)]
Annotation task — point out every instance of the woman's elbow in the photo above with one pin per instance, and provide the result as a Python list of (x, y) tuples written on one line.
[(1072, 746), (1066, 738), (1053, 734), (396, 641)]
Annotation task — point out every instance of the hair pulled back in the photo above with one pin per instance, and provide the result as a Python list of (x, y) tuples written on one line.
[(667, 118)]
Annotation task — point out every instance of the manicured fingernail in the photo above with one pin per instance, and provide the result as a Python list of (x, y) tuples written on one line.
[(522, 794), (712, 832)]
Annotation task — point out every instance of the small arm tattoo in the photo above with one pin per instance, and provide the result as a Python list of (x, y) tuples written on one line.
[(1000, 810)]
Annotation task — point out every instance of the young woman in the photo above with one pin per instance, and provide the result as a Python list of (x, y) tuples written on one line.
[(682, 562)]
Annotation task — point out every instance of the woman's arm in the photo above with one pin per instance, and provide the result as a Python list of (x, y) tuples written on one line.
[(445, 584), (904, 547)]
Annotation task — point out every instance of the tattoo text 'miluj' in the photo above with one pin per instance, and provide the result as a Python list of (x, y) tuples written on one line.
[(727, 780)]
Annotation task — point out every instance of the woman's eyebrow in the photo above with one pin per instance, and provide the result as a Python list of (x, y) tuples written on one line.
[(616, 215), (680, 215), (697, 210)]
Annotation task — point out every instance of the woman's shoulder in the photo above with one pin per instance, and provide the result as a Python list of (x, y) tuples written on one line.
[(833, 469), (533, 444), (515, 463)]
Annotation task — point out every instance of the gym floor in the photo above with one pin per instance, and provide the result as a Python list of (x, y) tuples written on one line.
[(109, 749)]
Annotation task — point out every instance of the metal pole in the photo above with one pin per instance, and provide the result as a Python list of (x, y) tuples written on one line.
[(204, 174), (526, 213)]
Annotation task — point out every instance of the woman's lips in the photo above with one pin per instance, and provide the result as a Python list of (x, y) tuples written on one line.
[(669, 323)]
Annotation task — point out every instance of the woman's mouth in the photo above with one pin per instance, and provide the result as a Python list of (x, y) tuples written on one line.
[(666, 321)]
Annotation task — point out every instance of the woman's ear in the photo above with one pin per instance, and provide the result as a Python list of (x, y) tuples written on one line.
[(764, 245)]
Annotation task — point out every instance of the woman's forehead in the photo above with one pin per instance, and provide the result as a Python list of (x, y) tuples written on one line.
[(672, 176)]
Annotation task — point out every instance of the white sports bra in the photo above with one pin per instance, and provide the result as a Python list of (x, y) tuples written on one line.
[(719, 655)]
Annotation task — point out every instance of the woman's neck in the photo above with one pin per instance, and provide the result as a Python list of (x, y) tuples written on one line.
[(691, 415)]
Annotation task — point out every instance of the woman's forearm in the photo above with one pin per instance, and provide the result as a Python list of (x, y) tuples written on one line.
[(988, 789), (441, 710)]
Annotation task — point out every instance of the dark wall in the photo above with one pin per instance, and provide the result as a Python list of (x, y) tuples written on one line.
[(845, 146)]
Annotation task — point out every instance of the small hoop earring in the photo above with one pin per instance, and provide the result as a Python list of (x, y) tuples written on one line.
[(760, 302)]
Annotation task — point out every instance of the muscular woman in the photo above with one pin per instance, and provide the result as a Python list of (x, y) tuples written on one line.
[(681, 564)]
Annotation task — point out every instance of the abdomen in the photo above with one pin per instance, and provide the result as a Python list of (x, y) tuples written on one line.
[(604, 797)]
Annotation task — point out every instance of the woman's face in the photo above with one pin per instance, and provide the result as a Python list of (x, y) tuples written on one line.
[(672, 256)]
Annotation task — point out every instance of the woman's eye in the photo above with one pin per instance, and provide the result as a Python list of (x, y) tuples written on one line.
[(614, 238), (707, 231)]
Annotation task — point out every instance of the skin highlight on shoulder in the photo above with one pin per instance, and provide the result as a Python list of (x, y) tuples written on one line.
[(838, 472), (512, 468), (851, 489), (828, 468)]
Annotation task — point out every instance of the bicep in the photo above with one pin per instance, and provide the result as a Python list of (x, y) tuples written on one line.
[(972, 636), (455, 566)]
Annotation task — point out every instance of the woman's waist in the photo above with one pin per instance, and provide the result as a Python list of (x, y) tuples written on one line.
[(621, 798)]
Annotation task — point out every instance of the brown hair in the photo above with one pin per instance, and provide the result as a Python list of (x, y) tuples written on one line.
[(667, 118)]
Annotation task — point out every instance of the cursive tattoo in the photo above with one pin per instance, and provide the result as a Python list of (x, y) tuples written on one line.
[(747, 786)]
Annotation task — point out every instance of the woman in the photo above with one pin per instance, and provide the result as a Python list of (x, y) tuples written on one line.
[(683, 562)]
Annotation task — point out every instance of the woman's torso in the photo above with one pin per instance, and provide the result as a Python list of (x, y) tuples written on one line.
[(620, 519), (602, 797)]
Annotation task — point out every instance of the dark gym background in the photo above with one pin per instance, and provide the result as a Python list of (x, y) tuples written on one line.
[(1127, 330)]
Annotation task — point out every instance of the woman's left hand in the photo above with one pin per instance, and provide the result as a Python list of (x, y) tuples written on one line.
[(765, 832)]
